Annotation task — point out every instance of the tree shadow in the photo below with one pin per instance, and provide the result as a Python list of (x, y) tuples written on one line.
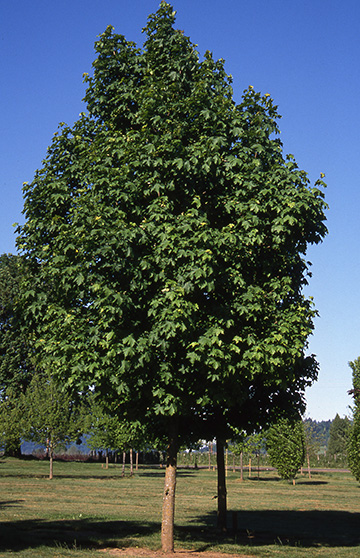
[(10, 503), (262, 479), (92, 534), (306, 529), (278, 479), (311, 482), (59, 476), (295, 528)]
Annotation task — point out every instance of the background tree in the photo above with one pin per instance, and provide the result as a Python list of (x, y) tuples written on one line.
[(353, 444), (166, 235), (108, 431), (237, 447), (339, 431), (11, 422), (16, 369), (51, 416), (255, 445), (285, 443), (320, 431), (101, 429), (312, 444)]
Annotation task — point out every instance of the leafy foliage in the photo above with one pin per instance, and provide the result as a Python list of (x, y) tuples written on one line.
[(285, 442), (11, 422), (166, 237), (166, 234), (108, 431), (353, 443), (16, 369), (51, 417)]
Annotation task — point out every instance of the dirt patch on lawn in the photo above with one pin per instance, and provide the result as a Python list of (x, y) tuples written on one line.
[(147, 553)]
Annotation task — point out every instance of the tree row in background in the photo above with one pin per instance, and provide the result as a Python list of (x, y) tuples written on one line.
[(48, 416)]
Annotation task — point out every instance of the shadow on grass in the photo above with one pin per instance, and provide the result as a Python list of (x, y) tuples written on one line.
[(311, 482), (299, 481), (306, 529), (262, 479), (60, 476), (113, 473), (294, 528), (19, 535), (11, 503)]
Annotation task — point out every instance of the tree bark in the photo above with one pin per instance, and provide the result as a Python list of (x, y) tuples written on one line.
[(51, 454), (123, 464), (131, 463), (168, 511), (221, 511)]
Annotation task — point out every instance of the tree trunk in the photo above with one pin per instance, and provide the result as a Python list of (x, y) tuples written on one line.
[(221, 511), (241, 467), (123, 464), (131, 463), (168, 511), (51, 455), (308, 464), (137, 461), (107, 460)]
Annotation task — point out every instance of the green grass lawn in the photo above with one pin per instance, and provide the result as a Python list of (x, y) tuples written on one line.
[(86, 508)]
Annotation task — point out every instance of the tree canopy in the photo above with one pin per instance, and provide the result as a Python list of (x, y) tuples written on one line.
[(166, 237)]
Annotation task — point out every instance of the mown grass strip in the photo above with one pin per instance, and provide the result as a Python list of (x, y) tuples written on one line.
[(86, 508)]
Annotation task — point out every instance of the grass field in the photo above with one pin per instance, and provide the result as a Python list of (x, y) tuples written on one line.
[(86, 508)]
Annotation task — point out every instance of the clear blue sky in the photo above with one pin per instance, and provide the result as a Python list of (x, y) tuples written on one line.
[(305, 54)]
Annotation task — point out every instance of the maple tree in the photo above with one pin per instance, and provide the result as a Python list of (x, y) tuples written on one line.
[(166, 235)]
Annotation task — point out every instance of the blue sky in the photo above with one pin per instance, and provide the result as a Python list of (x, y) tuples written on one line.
[(305, 54)]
